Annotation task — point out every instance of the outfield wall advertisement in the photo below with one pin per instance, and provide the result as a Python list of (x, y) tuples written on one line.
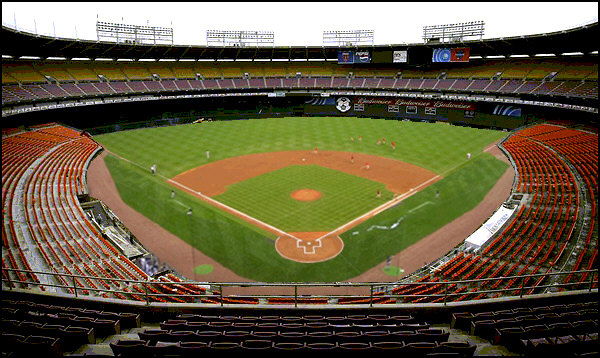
[(459, 112)]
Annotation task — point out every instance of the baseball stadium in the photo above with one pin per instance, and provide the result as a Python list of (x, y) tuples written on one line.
[(434, 198)]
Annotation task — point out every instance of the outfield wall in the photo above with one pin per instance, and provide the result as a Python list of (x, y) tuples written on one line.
[(129, 115), (458, 112)]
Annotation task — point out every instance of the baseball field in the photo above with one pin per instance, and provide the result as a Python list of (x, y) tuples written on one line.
[(316, 182)]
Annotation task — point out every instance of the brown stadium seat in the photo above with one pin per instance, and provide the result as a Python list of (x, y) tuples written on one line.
[(257, 344), (129, 348), (288, 346)]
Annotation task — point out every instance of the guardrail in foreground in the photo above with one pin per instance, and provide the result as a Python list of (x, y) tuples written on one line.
[(378, 291)]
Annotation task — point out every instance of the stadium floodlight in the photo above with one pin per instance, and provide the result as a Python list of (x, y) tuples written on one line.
[(240, 38), (453, 32), (134, 34), (348, 38)]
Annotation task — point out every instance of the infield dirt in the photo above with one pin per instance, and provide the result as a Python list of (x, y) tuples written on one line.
[(183, 257), (212, 179)]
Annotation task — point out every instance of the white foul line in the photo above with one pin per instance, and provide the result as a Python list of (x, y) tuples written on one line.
[(373, 212), (384, 206)]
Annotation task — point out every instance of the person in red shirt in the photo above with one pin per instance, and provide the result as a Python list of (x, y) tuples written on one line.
[(394, 145)]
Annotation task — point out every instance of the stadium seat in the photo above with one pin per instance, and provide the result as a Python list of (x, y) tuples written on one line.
[(354, 345), (465, 349), (387, 345), (192, 349), (225, 346), (129, 348), (237, 336), (291, 336), (289, 346), (321, 346), (153, 335), (257, 344)]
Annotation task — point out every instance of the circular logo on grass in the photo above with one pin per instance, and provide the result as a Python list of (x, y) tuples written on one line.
[(203, 269), (393, 271)]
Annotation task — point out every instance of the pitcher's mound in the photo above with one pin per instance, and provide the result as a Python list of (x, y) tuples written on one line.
[(306, 195)]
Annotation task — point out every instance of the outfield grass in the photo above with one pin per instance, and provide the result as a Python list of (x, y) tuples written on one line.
[(249, 251), (434, 146), (267, 198), (251, 254)]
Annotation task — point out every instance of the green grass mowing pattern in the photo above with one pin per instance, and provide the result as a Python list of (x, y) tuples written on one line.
[(434, 146), (226, 238), (248, 251), (267, 198), (251, 254), (422, 214)]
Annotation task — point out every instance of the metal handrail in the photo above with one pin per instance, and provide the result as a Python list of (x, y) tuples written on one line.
[(296, 299)]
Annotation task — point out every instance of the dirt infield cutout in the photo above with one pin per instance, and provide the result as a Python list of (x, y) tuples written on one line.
[(306, 195), (403, 179)]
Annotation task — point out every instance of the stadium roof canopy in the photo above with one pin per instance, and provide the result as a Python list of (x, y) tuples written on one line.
[(18, 44)]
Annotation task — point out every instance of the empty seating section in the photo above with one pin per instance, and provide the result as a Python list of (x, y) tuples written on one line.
[(543, 235), (563, 329), (191, 332), (580, 149), (567, 325), (43, 173), (63, 328), (47, 80)]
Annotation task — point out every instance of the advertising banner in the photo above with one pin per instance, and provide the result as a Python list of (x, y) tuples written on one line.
[(460, 54), (451, 55), (430, 103), (400, 57), (506, 110), (362, 57), (345, 57)]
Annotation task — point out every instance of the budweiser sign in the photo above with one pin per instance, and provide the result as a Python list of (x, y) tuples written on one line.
[(416, 102)]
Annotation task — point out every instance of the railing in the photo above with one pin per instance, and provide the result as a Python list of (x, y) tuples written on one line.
[(377, 290)]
